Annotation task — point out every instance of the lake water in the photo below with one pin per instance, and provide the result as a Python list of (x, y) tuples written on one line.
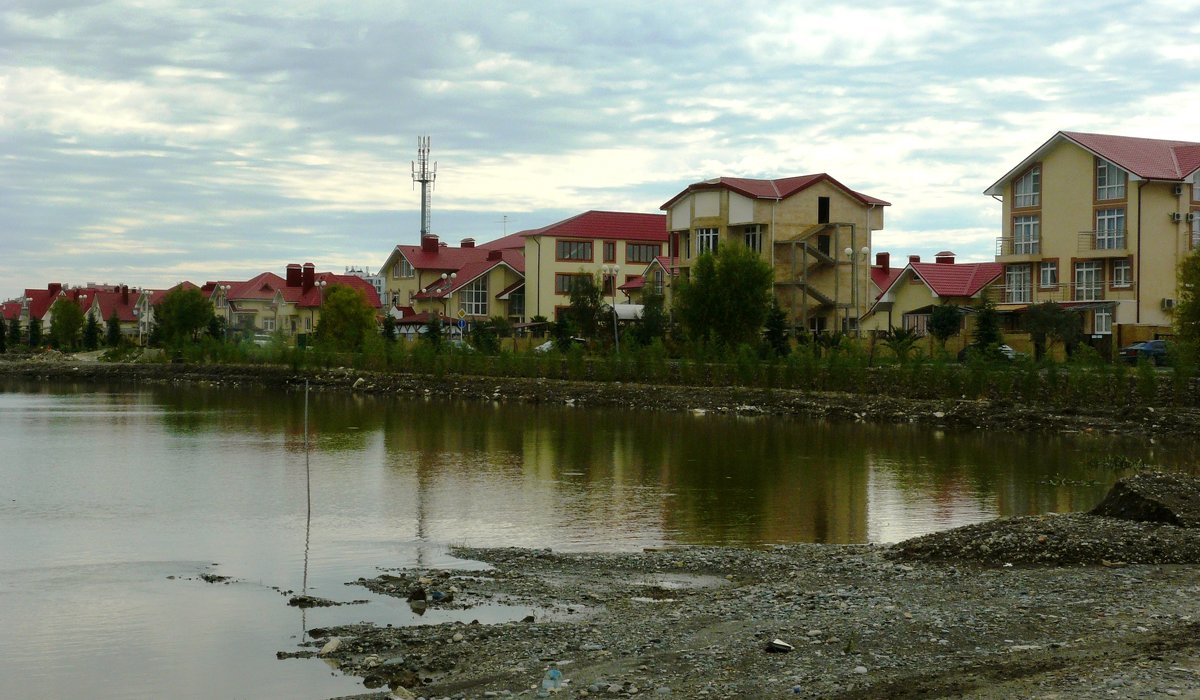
[(115, 500)]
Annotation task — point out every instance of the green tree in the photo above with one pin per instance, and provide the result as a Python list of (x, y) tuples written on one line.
[(35, 332), (1047, 322), (216, 327), (433, 330), (91, 333), (346, 319), (3, 339), (901, 342), (14, 332), (1187, 311), (389, 328), (776, 327), (539, 330), (654, 320), (587, 303), (987, 325), (182, 314), (945, 320), (727, 297), (112, 331), (485, 336), (65, 322)]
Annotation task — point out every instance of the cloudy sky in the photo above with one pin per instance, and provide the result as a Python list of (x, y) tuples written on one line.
[(148, 141)]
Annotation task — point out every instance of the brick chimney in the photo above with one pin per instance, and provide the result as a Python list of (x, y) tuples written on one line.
[(883, 261), (125, 295), (54, 288), (495, 255), (429, 243), (945, 257), (293, 275), (309, 276), (467, 243), (914, 259)]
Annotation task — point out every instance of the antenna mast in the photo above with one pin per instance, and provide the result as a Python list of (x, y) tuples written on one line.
[(422, 173)]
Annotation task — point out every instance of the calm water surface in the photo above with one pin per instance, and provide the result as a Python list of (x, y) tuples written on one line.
[(113, 502)]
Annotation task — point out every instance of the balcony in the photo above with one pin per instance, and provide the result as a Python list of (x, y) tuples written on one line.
[(1017, 250), (1001, 294), (1103, 244)]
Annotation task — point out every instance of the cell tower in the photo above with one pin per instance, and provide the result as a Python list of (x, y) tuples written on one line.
[(422, 173)]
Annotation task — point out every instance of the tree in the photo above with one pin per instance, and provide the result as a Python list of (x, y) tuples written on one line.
[(182, 314), (776, 330), (112, 331), (987, 325), (901, 342), (727, 297), (14, 331), (433, 330), (1049, 321), (35, 332), (587, 303), (91, 333), (1187, 311), (346, 319), (486, 337), (216, 327), (3, 339), (65, 322), (945, 320), (389, 328), (654, 319)]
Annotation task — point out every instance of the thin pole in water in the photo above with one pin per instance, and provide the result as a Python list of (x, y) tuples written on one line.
[(307, 489)]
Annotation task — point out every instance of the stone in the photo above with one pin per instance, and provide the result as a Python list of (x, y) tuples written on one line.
[(778, 646), (1154, 497), (331, 646)]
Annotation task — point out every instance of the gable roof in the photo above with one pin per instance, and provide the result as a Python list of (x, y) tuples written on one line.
[(472, 271), (613, 225), (10, 310), (882, 279), (513, 241), (156, 295), (1144, 159), (121, 303), (780, 188), (956, 279)]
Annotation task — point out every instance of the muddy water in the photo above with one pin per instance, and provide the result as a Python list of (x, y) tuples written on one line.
[(114, 502)]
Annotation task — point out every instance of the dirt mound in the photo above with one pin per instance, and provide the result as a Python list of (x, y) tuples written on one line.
[(1154, 497)]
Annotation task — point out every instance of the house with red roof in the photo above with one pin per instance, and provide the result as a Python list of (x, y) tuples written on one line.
[(464, 282), (612, 247), (655, 278), (910, 293), (105, 303), (813, 230), (1100, 222)]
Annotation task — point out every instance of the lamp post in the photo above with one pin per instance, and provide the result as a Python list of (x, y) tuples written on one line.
[(864, 252), (609, 276), (447, 283), (225, 303)]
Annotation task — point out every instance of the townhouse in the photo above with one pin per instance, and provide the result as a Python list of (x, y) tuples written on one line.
[(289, 305), (613, 247), (814, 231), (1100, 223), (465, 283), (907, 295)]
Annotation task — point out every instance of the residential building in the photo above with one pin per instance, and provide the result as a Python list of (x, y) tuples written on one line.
[(121, 302), (148, 301), (290, 305), (467, 283), (613, 247), (656, 278), (1100, 223), (813, 230), (910, 294)]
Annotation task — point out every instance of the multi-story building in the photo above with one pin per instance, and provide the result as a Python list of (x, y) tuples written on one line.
[(291, 305), (814, 231), (468, 283), (1100, 223), (613, 247)]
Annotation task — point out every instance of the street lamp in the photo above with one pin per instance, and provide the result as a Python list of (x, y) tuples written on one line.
[(609, 276), (864, 251), (442, 290)]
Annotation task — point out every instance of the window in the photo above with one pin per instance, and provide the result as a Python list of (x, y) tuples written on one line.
[(1110, 229), (1196, 186), (918, 323), (754, 237), (641, 252), (1049, 275), (1026, 235), (1196, 229), (1089, 281), (1122, 273), (308, 325), (1017, 282), (563, 282), (1110, 181), (706, 240), (1102, 321), (269, 325), (1027, 192), (822, 210), (473, 298), (610, 251), (402, 269), (659, 280), (573, 250), (516, 303), (685, 245)]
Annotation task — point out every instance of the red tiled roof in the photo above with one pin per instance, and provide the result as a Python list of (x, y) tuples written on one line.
[(1151, 159), (780, 188), (613, 225), (10, 310), (633, 283), (40, 300), (513, 241), (445, 258), (156, 295), (266, 285), (884, 278), (957, 279), (122, 303), (471, 271), (667, 263)]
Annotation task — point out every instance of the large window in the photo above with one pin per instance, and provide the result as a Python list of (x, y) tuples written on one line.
[(610, 251), (1102, 321), (516, 303), (473, 298), (1122, 273), (1110, 181), (1017, 284), (402, 269), (1089, 281), (659, 280), (706, 240), (754, 237), (1049, 274), (1026, 235), (1110, 229), (1027, 192), (573, 250), (641, 252), (563, 282), (269, 325)]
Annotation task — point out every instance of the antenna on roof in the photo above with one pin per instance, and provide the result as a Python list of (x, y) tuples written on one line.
[(422, 173), (504, 220)]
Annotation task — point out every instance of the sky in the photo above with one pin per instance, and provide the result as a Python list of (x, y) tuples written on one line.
[(147, 142)]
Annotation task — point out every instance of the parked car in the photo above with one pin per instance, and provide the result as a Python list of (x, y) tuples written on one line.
[(1005, 351), (1153, 350)]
